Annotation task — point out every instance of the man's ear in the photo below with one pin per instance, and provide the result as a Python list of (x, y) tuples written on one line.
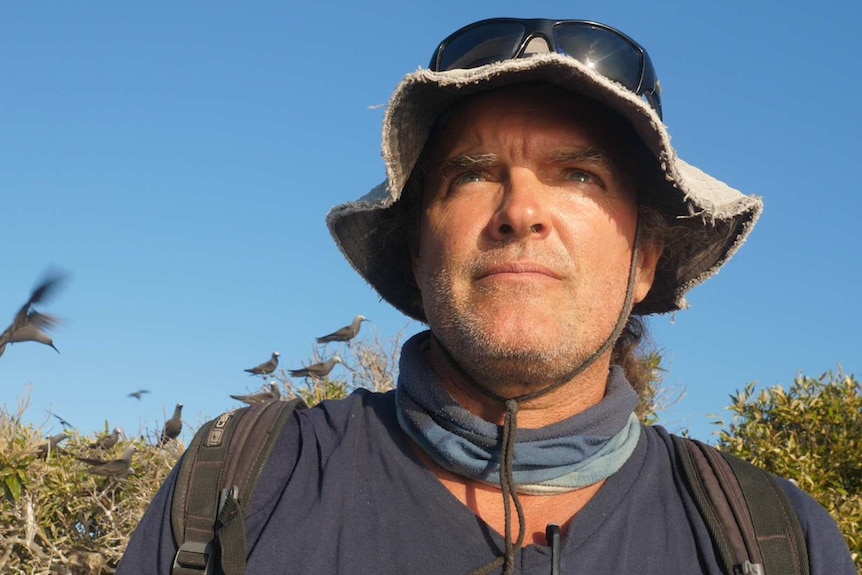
[(648, 256)]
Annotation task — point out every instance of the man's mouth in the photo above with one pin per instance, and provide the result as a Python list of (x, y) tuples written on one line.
[(517, 268)]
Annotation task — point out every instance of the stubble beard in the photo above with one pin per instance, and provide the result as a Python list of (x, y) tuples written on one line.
[(512, 356)]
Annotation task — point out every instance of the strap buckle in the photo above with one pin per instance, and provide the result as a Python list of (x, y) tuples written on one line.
[(749, 568), (194, 555)]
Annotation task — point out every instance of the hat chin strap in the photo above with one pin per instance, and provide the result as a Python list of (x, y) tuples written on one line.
[(510, 420)]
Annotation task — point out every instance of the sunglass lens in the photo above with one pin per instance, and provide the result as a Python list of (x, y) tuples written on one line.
[(602, 50), (490, 42)]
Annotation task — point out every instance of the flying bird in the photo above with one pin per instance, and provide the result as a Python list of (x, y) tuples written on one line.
[(173, 426), (62, 421), (273, 394), (108, 441), (51, 444), (137, 394), (34, 330), (116, 468), (266, 367), (321, 369), (29, 324), (346, 333)]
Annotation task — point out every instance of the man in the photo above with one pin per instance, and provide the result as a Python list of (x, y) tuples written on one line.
[(533, 203)]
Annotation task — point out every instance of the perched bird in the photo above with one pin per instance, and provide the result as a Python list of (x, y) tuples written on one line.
[(29, 324), (266, 367), (321, 369), (346, 333), (173, 426), (108, 441), (51, 444), (137, 394), (273, 394), (116, 468)]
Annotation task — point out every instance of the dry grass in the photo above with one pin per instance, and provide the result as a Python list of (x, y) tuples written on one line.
[(57, 518)]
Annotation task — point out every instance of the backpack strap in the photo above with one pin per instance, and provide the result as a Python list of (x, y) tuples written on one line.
[(216, 479), (753, 526)]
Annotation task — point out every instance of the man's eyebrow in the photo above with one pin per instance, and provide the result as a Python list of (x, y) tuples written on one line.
[(467, 161), (590, 155)]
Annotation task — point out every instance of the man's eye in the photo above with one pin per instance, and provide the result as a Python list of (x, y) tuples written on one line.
[(468, 178), (581, 176)]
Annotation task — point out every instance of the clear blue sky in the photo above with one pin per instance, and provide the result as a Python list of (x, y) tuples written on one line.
[(179, 159)]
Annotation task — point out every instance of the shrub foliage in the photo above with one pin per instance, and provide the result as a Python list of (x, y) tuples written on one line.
[(810, 433), (56, 517)]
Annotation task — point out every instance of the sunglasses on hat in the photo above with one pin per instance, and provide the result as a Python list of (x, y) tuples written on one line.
[(602, 48)]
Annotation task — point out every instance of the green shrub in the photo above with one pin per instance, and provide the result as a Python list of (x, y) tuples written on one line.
[(810, 433), (55, 515)]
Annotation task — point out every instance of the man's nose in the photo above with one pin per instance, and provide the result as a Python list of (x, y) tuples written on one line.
[(523, 210)]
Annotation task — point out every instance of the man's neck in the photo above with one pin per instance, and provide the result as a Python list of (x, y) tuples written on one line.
[(571, 398)]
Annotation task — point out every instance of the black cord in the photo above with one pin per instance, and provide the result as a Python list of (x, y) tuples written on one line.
[(510, 421)]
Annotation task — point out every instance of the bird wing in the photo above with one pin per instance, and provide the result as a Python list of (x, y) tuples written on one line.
[(91, 460), (62, 421), (47, 288), (42, 320), (329, 337), (316, 369), (252, 397), (20, 318), (109, 441), (113, 467), (265, 367), (41, 293)]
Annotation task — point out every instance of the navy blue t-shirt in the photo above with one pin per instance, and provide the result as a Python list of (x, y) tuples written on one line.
[(345, 493)]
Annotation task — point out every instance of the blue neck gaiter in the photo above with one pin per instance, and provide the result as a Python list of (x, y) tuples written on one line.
[(579, 451)]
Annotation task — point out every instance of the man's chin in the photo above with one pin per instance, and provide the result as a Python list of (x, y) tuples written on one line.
[(513, 363), (516, 351), (520, 372)]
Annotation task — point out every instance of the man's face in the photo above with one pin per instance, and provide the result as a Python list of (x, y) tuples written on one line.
[(527, 227)]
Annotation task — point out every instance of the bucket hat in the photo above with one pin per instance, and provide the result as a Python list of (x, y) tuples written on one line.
[(716, 218)]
